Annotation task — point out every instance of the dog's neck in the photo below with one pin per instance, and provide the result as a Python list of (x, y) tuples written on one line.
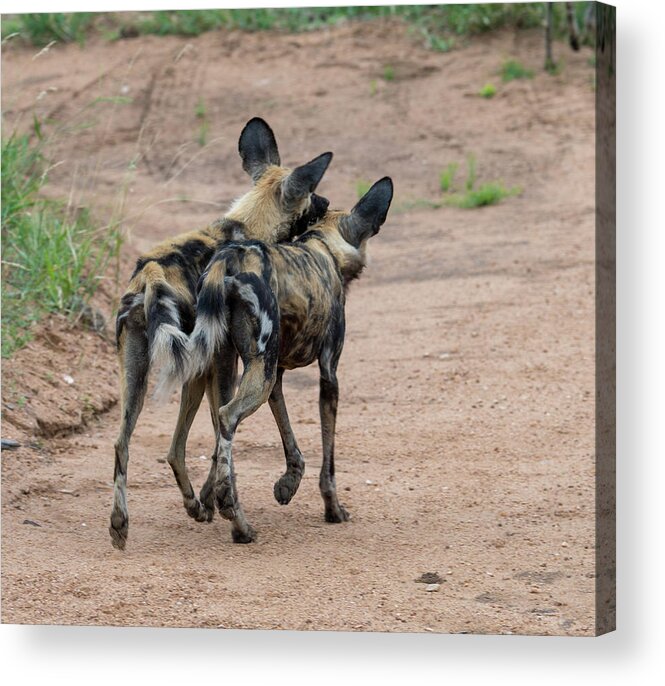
[(259, 210), (350, 260)]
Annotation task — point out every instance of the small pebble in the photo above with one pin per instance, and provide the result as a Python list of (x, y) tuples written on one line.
[(432, 587)]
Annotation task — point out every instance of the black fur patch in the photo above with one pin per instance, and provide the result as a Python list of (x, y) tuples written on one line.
[(315, 213), (211, 299)]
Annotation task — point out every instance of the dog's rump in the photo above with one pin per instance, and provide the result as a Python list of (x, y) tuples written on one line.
[(227, 288)]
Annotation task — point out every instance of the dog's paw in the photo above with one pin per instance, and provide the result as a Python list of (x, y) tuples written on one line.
[(286, 487), (119, 529), (336, 513), (198, 511), (247, 536)]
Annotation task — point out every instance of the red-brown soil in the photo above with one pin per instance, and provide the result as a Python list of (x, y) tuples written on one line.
[(465, 433)]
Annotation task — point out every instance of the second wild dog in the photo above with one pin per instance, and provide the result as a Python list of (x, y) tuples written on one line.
[(279, 307)]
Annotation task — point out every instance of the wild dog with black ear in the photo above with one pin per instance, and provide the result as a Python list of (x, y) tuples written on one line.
[(279, 307), (158, 309)]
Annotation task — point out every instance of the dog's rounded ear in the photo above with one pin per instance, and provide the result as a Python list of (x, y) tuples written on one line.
[(257, 147), (303, 180), (369, 213)]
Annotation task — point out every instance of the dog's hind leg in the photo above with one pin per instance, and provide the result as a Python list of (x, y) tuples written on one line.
[(254, 389), (328, 395), (254, 334), (134, 365), (287, 485), (219, 389), (190, 401)]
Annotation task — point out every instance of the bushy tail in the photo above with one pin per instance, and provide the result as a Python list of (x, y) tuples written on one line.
[(210, 330), (167, 341)]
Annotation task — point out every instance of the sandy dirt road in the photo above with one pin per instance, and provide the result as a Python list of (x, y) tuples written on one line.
[(466, 421)]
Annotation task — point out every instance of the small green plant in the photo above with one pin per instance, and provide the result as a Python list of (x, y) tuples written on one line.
[(201, 114), (447, 177), (373, 87), (512, 69), (388, 73), (200, 109), (470, 171), (362, 187), (487, 194), (203, 133), (487, 91)]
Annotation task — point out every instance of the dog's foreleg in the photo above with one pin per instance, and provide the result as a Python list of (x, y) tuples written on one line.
[(328, 395), (287, 485)]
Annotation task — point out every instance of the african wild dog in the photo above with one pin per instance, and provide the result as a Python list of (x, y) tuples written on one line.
[(279, 307), (158, 310)]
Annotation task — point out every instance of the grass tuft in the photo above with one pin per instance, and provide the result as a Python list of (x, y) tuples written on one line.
[(42, 29), (487, 91), (470, 171), (202, 115), (440, 25), (52, 257), (486, 194), (512, 70), (447, 177)]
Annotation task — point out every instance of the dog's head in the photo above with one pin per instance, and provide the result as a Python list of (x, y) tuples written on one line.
[(282, 202), (346, 234)]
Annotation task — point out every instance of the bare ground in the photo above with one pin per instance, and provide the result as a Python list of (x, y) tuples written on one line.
[(466, 422)]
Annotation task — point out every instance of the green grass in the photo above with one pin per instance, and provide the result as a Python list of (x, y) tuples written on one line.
[(202, 115), (512, 70), (447, 177), (489, 193), (487, 91), (388, 73), (440, 25), (470, 171), (202, 138), (486, 194), (42, 29), (52, 257), (200, 110)]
